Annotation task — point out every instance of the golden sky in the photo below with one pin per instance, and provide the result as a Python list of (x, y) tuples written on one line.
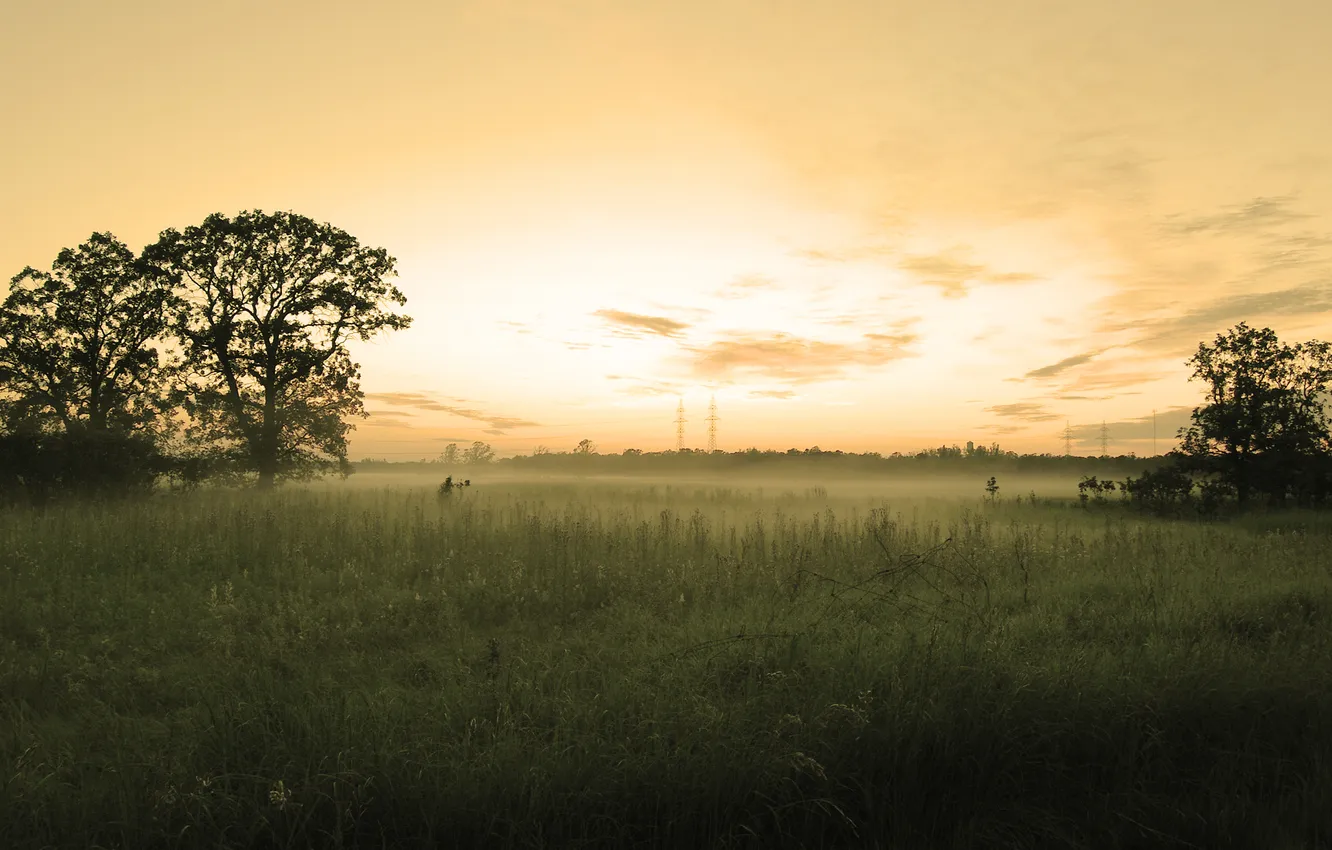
[(861, 224)]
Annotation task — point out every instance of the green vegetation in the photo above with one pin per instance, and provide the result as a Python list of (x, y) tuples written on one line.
[(219, 352), (527, 665)]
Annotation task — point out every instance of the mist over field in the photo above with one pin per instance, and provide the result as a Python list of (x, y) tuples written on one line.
[(564, 661), (884, 424)]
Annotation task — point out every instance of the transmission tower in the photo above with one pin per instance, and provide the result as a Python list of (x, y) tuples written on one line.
[(712, 425), (1068, 439), (1105, 440), (679, 426), (1153, 432)]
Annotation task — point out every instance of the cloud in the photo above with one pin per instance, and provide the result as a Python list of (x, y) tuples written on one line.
[(422, 401), (1012, 277), (516, 327), (792, 359), (745, 285), (1185, 331), (636, 325), (1002, 429), (951, 276), (644, 387), (772, 393), (853, 254), (1114, 381), (1258, 214), (945, 270), (1026, 411), (1063, 365), (650, 390), (387, 419)]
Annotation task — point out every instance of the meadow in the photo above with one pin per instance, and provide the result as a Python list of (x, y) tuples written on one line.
[(561, 663)]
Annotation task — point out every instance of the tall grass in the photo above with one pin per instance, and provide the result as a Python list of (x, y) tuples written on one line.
[(555, 665)]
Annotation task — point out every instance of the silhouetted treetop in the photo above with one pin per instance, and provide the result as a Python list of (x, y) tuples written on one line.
[(270, 301), (1264, 427), (77, 342)]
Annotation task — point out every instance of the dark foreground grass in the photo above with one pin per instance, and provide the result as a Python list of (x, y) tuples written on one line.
[(541, 666)]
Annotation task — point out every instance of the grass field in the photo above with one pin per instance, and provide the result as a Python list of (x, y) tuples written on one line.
[(596, 663)]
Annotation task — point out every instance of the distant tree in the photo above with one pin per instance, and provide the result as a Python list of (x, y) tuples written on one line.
[(992, 488), (478, 454), (632, 453), (540, 450), (451, 455), (585, 447), (270, 301), (1264, 428), (77, 343)]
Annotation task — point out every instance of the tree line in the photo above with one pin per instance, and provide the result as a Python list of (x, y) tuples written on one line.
[(219, 351), (1261, 436)]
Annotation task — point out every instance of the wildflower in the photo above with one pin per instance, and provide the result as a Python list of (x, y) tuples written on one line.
[(279, 795)]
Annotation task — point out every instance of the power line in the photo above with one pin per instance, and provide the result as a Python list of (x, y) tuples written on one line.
[(712, 425), (679, 426)]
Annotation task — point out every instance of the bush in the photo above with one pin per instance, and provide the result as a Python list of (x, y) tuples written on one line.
[(1166, 490), (38, 467)]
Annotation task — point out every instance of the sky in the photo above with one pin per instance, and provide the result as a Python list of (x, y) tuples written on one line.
[(868, 225)]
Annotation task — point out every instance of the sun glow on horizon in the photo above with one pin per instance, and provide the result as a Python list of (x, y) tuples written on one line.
[(1002, 222)]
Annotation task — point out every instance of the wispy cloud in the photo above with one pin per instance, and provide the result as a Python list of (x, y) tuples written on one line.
[(1063, 365), (1118, 381), (745, 285), (422, 401), (644, 387), (948, 274), (1002, 429), (953, 275), (1026, 411), (637, 325), (1261, 213), (772, 393), (949, 271), (1186, 330), (847, 254), (792, 359), (388, 419)]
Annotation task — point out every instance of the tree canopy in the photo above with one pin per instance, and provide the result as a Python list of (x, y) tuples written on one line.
[(269, 302), (1264, 428), (77, 343)]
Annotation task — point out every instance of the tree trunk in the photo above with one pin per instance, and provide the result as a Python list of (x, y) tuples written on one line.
[(266, 458), (267, 474)]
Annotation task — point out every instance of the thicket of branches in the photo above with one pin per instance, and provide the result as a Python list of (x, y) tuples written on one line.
[(219, 351)]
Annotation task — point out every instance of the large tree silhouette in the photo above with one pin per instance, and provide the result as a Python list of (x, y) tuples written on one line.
[(76, 343), (1264, 428), (270, 301)]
